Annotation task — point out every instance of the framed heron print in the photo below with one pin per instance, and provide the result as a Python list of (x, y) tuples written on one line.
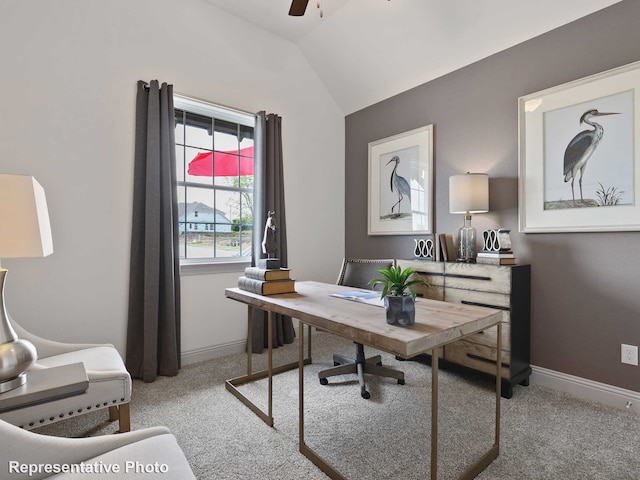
[(401, 183), (579, 146)]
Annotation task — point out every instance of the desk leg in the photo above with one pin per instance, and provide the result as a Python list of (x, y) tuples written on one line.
[(498, 385), (249, 338), (270, 364), (301, 387), (232, 384), (235, 382), (304, 449), (494, 451), (434, 413)]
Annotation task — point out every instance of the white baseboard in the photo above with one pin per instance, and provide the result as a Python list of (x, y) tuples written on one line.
[(588, 389), (209, 353), (610, 395)]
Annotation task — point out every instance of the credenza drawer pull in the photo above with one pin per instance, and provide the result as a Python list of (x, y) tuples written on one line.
[(478, 304)]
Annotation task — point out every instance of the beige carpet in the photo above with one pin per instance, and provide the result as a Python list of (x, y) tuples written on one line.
[(545, 434)]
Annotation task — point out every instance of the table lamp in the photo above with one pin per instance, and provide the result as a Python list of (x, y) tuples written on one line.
[(468, 194), (24, 232)]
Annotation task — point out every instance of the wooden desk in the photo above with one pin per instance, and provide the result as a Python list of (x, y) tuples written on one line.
[(437, 324)]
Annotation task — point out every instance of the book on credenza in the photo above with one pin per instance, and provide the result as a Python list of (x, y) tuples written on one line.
[(437, 251), (496, 257), (447, 248), (485, 254), (263, 287), (258, 273), (495, 261)]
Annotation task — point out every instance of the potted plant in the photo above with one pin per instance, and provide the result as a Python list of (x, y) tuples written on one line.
[(399, 293)]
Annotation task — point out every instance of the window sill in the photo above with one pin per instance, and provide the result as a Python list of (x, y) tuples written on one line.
[(211, 268)]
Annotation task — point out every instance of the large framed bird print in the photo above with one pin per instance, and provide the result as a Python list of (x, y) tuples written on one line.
[(401, 183), (579, 145)]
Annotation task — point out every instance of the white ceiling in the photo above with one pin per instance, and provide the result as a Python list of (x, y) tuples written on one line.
[(367, 50)]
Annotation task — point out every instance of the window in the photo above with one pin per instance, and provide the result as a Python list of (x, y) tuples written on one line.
[(214, 161)]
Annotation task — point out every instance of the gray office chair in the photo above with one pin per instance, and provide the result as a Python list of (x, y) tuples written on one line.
[(357, 273)]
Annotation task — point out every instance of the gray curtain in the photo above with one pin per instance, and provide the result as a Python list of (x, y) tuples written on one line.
[(269, 182), (153, 332)]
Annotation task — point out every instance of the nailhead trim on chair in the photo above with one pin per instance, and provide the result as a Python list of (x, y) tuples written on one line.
[(62, 415)]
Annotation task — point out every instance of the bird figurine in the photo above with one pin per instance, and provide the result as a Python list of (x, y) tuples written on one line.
[(398, 184), (581, 147)]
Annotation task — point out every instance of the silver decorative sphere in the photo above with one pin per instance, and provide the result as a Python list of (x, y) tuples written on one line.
[(16, 357)]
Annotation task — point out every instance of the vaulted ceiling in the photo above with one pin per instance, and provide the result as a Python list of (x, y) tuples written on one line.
[(367, 50)]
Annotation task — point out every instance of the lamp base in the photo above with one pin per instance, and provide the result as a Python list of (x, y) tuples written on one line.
[(16, 355), (13, 383), (15, 359), (467, 242), (466, 260)]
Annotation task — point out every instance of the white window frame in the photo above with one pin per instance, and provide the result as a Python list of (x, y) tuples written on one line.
[(199, 266)]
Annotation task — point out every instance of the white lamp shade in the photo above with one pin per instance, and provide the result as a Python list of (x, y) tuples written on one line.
[(25, 230), (469, 193)]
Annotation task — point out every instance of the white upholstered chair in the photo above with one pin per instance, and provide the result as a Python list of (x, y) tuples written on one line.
[(109, 383), (134, 453)]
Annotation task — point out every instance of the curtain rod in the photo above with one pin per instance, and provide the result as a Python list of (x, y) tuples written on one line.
[(233, 109), (190, 97)]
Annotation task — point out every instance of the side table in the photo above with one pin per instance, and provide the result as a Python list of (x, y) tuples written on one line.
[(45, 385)]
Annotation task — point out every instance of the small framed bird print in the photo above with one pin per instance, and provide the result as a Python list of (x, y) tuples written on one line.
[(401, 183), (578, 168)]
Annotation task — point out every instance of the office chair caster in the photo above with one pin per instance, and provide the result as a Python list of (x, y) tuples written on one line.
[(366, 395), (324, 381), (400, 381)]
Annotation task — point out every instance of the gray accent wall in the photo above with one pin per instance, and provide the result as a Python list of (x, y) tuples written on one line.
[(585, 286)]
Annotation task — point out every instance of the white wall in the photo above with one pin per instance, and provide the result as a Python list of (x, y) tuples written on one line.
[(67, 95)]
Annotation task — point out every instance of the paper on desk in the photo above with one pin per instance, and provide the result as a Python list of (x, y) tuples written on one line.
[(368, 297)]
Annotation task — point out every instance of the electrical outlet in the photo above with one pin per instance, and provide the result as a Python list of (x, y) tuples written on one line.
[(629, 354)]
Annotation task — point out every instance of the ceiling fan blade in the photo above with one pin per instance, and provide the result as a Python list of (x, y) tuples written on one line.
[(298, 7)]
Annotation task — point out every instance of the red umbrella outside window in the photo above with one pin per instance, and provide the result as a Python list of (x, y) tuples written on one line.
[(224, 164)]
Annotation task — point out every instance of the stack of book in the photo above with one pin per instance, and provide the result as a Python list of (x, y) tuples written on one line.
[(266, 281), (496, 258)]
